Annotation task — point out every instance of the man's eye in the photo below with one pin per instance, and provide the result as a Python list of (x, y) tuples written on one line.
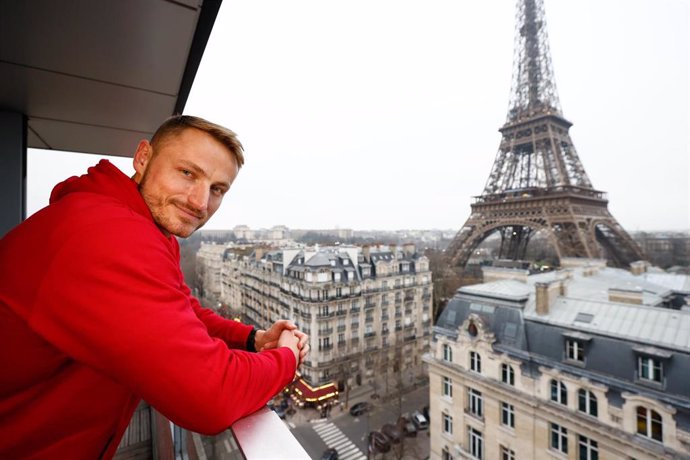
[(186, 172), (217, 191)]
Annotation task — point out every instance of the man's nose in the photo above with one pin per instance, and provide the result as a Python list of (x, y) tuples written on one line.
[(198, 197)]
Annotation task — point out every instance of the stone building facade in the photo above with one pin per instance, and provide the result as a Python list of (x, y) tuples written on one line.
[(367, 310), (209, 259), (587, 363)]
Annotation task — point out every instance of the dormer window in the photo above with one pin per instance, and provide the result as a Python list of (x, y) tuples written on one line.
[(650, 365), (650, 369), (575, 347), (574, 351)]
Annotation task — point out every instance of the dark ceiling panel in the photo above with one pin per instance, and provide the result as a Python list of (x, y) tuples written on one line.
[(96, 75), (57, 96), (142, 44), (60, 136)]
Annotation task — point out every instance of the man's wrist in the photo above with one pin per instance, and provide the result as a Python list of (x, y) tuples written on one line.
[(251, 340), (259, 339)]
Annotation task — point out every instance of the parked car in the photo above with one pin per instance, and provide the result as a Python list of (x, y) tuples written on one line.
[(329, 454), (419, 420), (378, 442), (425, 412), (360, 408), (392, 432), (407, 427)]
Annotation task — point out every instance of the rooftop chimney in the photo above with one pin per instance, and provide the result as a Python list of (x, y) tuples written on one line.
[(638, 267), (546, 294), (365, 252), (624, 295)]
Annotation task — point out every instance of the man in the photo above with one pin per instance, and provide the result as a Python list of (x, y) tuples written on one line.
[(95, 314)]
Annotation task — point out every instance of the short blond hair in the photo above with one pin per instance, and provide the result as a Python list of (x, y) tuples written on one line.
[(178, 123)]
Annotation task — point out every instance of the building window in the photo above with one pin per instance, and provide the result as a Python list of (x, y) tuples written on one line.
[(447, 424), (649, 369), (325, 343), (507, 415), (559, 392), (575, 351), (589, 449), (587, 402), (649, 423), (559, 438), (475, 362), (476, 403), (447, 351), (476, 443), (447, 387), (507, 374), (507, 454), (445, 454)]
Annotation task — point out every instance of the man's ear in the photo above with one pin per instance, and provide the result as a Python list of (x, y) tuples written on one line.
[(141, 159)]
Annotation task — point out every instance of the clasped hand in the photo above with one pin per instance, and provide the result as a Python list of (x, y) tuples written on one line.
[(283, 333)]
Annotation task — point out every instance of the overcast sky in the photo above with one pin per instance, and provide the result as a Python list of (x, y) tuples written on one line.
[(384, 114)]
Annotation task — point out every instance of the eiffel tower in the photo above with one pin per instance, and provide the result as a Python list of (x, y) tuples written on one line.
[(537, 183)]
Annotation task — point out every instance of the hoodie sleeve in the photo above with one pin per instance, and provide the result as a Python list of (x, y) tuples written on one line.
[(233, 333), (112, 300)]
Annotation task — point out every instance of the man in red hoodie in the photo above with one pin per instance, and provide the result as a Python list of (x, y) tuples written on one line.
[(95, 314)]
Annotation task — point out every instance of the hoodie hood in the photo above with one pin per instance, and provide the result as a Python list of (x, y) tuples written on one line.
[(104, 179)]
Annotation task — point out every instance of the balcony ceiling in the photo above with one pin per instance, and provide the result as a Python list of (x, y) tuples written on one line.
[(99, 75)]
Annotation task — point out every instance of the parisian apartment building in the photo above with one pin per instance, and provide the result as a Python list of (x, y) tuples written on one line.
[(585, 363), (367, 309), (209, 259)]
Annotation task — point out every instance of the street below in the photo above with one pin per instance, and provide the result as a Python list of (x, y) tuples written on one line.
[(348, 434)]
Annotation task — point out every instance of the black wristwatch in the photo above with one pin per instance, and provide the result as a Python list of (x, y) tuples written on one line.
[(251, 341)]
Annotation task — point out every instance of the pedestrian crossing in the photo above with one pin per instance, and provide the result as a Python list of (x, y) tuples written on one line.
[(333, 437)]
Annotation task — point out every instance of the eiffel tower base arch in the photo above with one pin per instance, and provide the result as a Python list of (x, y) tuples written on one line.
[(575, 225)]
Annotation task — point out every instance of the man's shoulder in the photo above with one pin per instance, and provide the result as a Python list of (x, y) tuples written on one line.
[(87, 210), (86, 218)]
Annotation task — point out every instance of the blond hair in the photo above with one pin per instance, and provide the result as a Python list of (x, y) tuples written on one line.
[(178, 123)]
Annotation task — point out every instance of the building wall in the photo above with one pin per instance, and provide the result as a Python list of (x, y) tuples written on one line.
[(362, 331), (614, 427), (209, 259)]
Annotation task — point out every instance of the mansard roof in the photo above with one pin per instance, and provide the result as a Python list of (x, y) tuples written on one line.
[(615, 334), (319, 259)]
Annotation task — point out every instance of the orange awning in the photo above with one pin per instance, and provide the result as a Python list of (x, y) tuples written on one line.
[(307, 393)]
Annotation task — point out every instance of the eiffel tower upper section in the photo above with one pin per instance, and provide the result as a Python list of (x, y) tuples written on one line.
[(536, 150), (537, 183)]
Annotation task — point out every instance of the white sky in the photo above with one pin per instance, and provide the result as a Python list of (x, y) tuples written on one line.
[(384, 114)]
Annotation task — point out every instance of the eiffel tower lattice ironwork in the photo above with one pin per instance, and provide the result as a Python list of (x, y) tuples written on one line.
[(537, 183)]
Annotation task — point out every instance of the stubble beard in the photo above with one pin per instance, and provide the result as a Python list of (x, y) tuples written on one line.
[(157, 206)]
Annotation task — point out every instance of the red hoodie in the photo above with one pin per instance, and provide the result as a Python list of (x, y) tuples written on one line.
[(94, 315)]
